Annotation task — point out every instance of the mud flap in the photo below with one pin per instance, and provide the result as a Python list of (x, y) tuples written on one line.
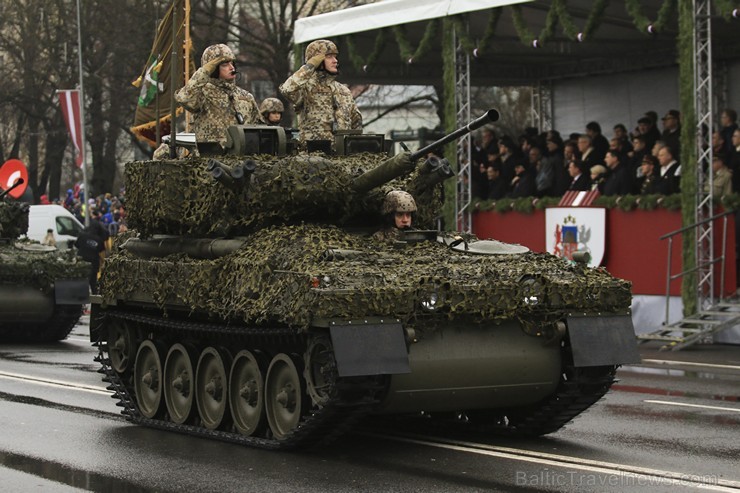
[(71, 292), (369, 349), (602, 340)]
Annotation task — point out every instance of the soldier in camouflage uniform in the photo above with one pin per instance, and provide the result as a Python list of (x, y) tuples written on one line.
[(213, 97), (271, 110), (399, 212), (322, 104)]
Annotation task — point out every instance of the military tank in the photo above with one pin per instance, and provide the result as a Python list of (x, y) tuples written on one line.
[(253, 304), (42, 289)]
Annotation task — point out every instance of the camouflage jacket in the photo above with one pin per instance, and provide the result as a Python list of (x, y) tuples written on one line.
[(214, 103), (322, 104), (390, 234)]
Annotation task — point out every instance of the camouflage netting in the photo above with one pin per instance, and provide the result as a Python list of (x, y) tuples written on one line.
[(25, 262), (182, 197), (13, 219), (282, 275), (22, 265)]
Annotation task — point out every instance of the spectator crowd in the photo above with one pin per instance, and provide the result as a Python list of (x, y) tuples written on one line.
[(107, 209), (643, 161)]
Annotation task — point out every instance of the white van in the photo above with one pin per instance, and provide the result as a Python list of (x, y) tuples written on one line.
[(55, 217)]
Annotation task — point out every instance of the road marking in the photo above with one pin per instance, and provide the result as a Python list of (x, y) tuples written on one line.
[(672, 403), (54, 383), (687, 363), (637, 475)]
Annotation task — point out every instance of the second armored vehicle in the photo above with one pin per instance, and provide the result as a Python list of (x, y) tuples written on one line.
[(42, 289)]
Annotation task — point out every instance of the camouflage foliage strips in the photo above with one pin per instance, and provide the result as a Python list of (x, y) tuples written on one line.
[(24, 263), (287, 275), (293, 214), (182, 197)]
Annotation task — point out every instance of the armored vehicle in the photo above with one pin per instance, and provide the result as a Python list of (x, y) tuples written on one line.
[(42, 289), (254, 305)]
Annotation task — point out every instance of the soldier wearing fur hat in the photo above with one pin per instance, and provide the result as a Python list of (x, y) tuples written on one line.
[(399, 212), (214, 99), (322, 104)]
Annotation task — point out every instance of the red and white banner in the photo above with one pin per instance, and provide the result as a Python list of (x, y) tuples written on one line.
[(574, 198), (70, 101)]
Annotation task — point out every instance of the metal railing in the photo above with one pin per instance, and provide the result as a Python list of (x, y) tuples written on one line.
[(700, 265)]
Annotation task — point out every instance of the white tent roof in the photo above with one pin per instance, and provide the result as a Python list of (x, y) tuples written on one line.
[(616, 46), (384, 14)]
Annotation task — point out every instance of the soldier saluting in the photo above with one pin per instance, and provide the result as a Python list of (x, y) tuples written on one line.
[(322, 104), (213, 97)]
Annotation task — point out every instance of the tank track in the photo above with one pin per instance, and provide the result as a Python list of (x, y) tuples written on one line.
[(575, 394), (353, 400), (57, 328), (578, 390)]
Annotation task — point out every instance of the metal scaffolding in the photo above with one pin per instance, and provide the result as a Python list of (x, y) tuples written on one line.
[(463, 195), (704, 123), (542, 106)]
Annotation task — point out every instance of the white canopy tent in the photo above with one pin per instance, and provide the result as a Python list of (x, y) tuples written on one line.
[(385, 14)]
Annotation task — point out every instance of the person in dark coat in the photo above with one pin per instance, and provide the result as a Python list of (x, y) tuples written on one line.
[(669, 181), (728, 120), (509, 156), (646, 127), (91, 243), (619, 181), (579, 174), (599, 143), (647, 183), (523, 184), (672, 132), (497, 187)]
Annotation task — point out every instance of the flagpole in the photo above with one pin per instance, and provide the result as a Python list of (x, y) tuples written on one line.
[(85, 183), (174, 72)]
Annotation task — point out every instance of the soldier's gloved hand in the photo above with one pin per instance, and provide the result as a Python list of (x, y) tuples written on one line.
[(316, 60), (211, 66)]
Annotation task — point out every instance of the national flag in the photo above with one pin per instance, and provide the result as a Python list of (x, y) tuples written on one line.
[(154, 82), (70, 102), (575, 198)]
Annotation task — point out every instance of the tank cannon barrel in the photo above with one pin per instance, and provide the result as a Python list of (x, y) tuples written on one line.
[(394, 167), (17, 183), (405, 162), (489, 116)]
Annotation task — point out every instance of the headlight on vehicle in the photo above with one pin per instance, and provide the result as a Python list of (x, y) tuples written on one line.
[(533, 290)]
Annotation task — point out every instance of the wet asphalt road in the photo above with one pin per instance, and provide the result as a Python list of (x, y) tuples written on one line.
[(670, 424)]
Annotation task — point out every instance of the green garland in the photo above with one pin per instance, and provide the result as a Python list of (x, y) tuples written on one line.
[(725, 7), (522, 30), (644, 24), (357, 61), (687, 95), (595, 17), (625, 203), (462, 34), (450, 118), (425, 45), (558, 12)]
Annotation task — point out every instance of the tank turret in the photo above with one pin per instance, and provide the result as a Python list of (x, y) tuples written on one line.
[(42, 290), (228, 195), (254, 303)]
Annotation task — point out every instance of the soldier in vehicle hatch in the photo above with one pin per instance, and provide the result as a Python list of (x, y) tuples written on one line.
[(322, 104), (399, 212), (213, 97), (271, 110)]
